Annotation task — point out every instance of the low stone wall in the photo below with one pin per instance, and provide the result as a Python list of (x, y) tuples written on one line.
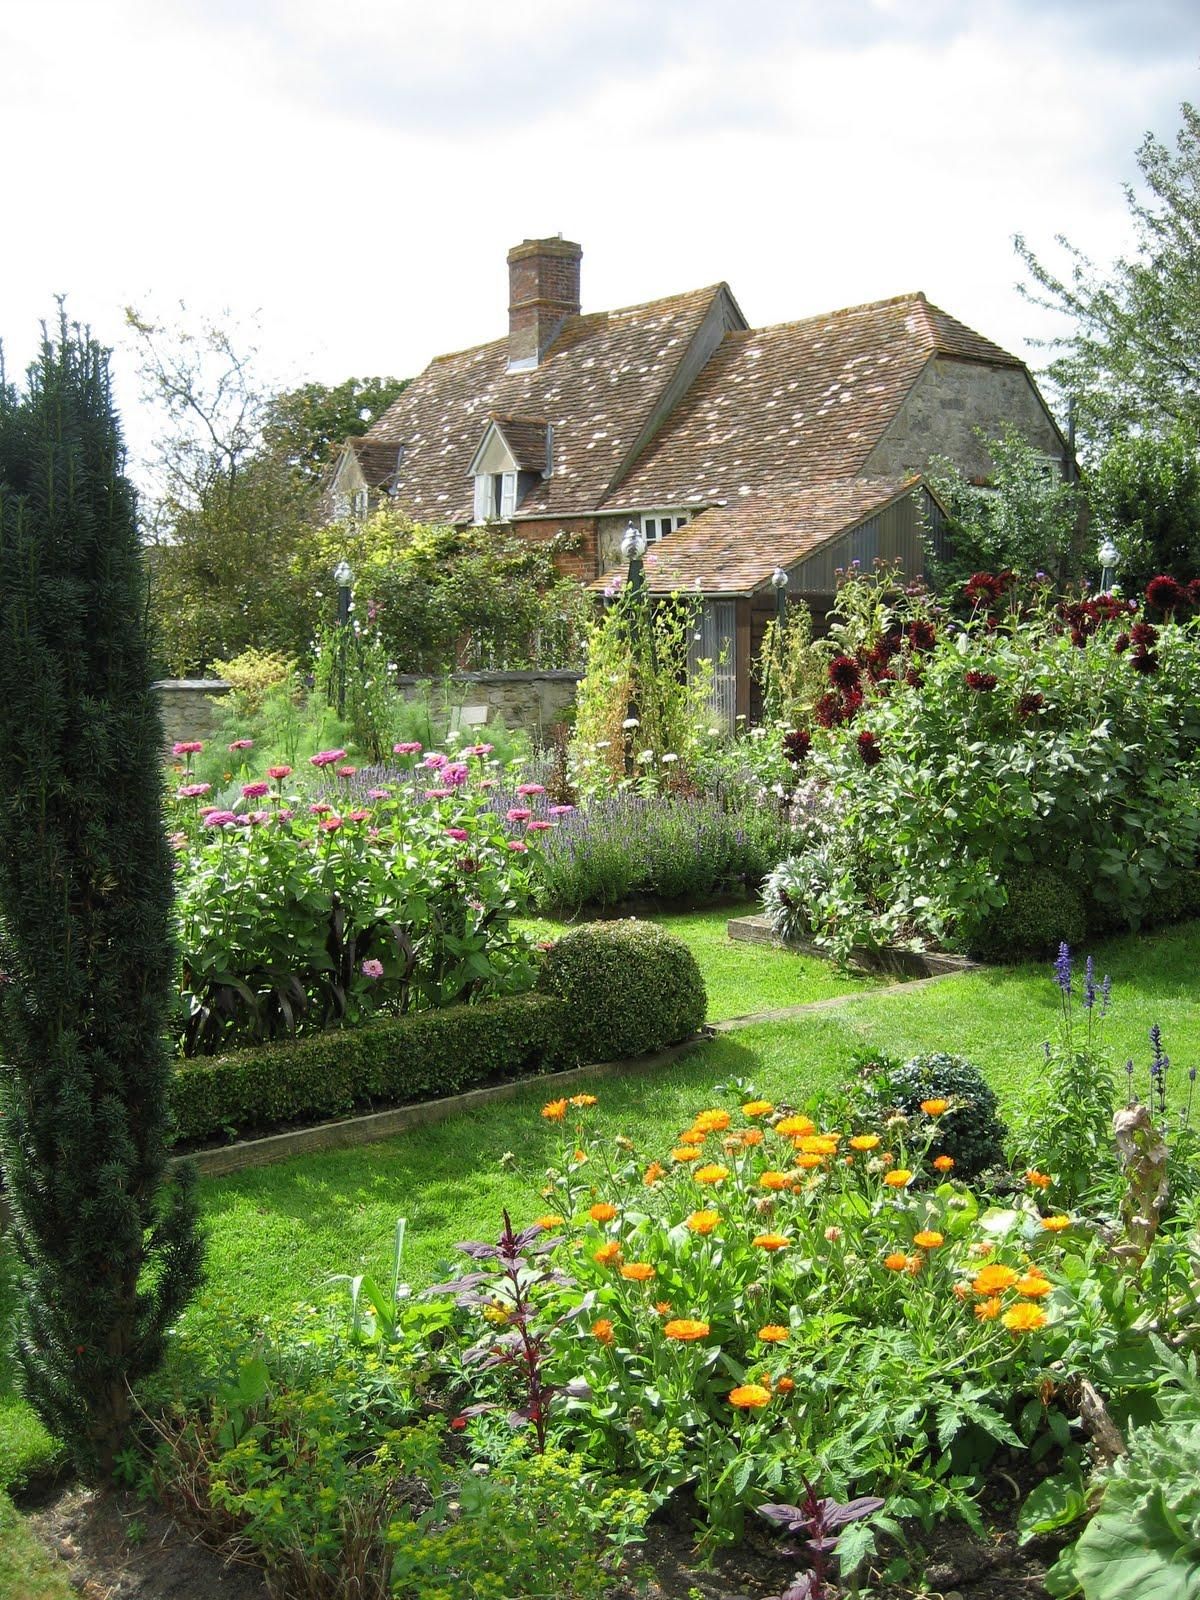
[(190, 706), (532, 701)]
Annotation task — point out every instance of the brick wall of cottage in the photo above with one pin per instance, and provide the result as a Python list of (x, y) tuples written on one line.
[(579, 562)]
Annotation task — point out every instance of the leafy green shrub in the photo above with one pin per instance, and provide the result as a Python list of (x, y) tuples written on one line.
[(1042, 910), (388, 1061), (971, 1131), (629, 987)]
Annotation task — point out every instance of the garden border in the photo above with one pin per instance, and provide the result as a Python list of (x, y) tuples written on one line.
[(889, 958)]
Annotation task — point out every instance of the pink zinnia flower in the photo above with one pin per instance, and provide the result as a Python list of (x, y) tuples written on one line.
[(255, 791), (518, 814), (531, 788), (408, 747), (191, 791), (320, 809), (347, 772), (438, 794), (220, 819), (187, 747), (455, 773), (518, 845), (559, 811), (329, 824), (242, 744), (378, 794), (358, 816), (536, 825), (284, 816), (479, 750), (372, 969), (207, 810), (259, 817), (326, 758), (279, 773), (460, 834), (435, 760)]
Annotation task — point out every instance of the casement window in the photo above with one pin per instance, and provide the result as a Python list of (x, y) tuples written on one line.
[(359, 503), (657, 524), (495, 496)]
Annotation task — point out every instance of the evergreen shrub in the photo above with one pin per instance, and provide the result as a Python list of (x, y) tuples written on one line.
[(1042, 911), (629, 987), (971, 1131)]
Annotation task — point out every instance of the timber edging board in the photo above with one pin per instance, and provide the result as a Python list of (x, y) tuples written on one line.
[(890, 959)]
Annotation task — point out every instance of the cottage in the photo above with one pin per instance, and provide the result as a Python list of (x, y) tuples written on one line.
[(736, 451)]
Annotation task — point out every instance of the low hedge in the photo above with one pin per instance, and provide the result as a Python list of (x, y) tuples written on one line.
[(389, 1061)]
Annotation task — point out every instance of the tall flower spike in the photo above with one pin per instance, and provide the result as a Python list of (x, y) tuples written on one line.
[(1062, 969), (1089, 984)]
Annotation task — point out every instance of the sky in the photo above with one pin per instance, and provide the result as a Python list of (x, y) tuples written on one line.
[(352, 175)]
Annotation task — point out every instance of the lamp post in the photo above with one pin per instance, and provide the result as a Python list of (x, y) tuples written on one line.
[(343, 576), (1109, 557), (779, 582), (633, 550)]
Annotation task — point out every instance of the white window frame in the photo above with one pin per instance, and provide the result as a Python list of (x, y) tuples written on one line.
[(652, 524), (487, 491)]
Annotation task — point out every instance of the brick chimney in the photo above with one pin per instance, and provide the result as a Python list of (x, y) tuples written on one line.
[(543, 291)]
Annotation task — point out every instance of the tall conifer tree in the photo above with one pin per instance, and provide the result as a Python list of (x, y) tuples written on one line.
[(108, 1244)]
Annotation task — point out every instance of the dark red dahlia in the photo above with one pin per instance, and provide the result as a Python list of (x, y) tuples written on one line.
[(844, 672), (981, 680), (1121, 644), (1144, 661), (828, 710), (913, 678), (983, 588), (1143, 634), (922, 635), (1193, 593), (1165, 594), (851, 703), (796, 745), (868, 749), (1030, 703)]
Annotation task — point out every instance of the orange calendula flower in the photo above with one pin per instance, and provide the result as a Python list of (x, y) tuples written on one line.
[(757, 1108), (638, 1271), (935, 1108), (808, 1162), (784, 1385), (1023, 1318), (602, 1211), (685, 1152), (608, 1255), (712, 1122), (960, 1291), (550, 1220), (928, 1239), (771, 1241), (583, 1100), (579, 1157), (692, 1136), (864, 1141), (1033, 1286), (602, 1329), (555, 1111), (712, 1173), (990, 1279), (988, 1310), (795, 1127), (703, 1221), (686, 1329), (775, 1180), (750, 1396), (896, 1262), (663, 1308), (653, 1173), (898, 1178), (817, 1144), (1056, 1224), (752, 1136), (943, 1163), (773, 1333), (915, 1263), (1039, 1180)]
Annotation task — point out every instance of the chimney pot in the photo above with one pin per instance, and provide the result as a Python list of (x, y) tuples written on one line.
[(543, 291)]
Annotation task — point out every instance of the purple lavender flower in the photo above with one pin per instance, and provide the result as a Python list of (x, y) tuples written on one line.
[(1089, 984), (1105, 995), (1062, 969)]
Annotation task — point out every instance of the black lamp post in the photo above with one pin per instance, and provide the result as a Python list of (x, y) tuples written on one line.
[(779, 582), (343, 576), (1109, 557), (633, 550)]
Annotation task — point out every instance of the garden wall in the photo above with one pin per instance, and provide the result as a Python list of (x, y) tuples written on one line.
[(532, 701), (189, 710)]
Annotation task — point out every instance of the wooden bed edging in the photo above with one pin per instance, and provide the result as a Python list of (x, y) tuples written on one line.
[(891, 959)]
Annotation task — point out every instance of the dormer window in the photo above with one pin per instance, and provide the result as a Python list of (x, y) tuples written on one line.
[(495, 496), (514, 454), (657, 525)]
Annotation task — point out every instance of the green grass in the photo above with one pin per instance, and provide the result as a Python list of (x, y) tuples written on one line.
[(277, 1233), (27, 1572)]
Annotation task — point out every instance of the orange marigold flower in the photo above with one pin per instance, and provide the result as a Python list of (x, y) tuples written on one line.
[(686, 1329), (757, 1108), (751, 1136), (785, 1385), (602, 1211), (602, 1329), (1039, 1180), (685, 1152), (809, 1162), (1024, 1319), (750, 1396), (773, 1333), (638, 1271), (713, 1173), (864, 1141), (703, 1221), (608, 1255), (1033, 1286), (898, 1178), (712, 1122), (771, 1241), (928, 1239), (775, 1180), (692, 1136), (896, 1262), (555, 1111), (795, 1126), (550, 1220), (1056, 1224), (818, 1144), (653, 1173), (935, 1108), (583, 1100), (988, 1310), (663, 1307), (943, 1163), (989, 1279)]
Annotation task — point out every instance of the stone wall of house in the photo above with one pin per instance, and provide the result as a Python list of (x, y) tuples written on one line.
[(533, 701), (190, 707), (949, 401)]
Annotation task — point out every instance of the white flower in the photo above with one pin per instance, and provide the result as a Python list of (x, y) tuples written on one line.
[(668, 757), (603, 744), (714, 733), (645, 756), (632, 722)]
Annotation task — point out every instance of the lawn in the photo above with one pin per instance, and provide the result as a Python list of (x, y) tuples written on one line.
[(278, 1233)]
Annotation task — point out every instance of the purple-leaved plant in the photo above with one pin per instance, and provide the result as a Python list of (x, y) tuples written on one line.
[(816, 1525)]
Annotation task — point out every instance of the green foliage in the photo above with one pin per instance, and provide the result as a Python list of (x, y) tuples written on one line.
[(1131, 361), (388, 1061), (970, 1132), (1041, 910), (302, 429), (356, 678), (630, 987), (108, 1246), (1029, 520), (790, 668), (1145, 495)]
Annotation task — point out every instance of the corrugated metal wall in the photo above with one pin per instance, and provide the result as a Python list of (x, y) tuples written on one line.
[(896, 534)]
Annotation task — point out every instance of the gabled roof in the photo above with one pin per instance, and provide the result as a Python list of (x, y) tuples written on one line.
[(798, 402), (376, 460), (527, 441), (733, 549), (597, 385)]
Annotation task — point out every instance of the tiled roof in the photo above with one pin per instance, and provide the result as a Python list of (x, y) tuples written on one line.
[(376, 459), (798, 402), (526, 439), (734, 548), (597, 385)]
